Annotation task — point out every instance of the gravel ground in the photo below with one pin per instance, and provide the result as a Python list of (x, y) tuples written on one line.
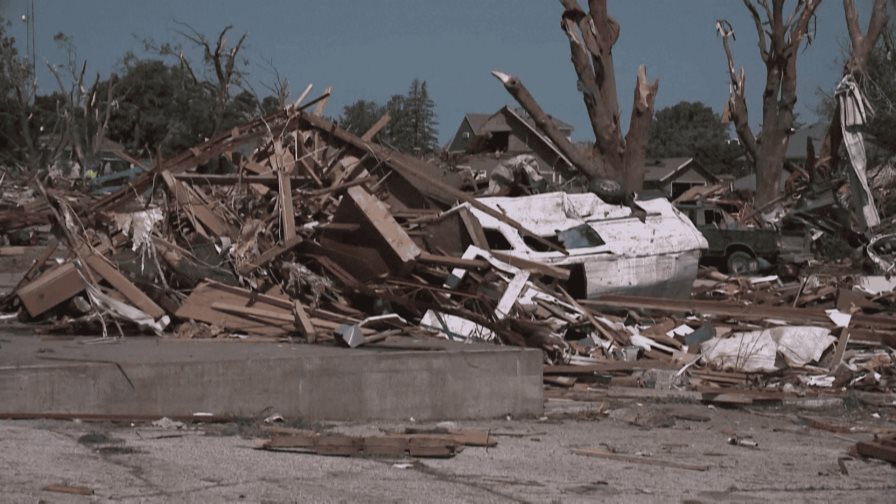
[(533, 461)]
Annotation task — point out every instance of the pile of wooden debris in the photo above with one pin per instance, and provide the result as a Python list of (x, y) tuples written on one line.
[(289, 227)]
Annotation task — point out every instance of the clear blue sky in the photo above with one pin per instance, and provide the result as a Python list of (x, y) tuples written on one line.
[(372, 49)]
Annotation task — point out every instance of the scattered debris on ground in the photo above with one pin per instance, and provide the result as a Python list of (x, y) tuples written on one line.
[(289, 228)]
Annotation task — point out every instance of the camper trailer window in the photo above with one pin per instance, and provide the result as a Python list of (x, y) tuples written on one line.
[(496, 240), (582, 236)]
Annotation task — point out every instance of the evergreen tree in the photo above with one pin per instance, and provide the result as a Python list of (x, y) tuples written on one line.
[(421, 119)]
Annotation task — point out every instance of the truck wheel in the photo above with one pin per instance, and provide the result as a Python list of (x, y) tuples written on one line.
[(740, 263)]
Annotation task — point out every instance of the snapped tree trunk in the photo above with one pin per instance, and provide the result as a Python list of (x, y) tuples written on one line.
[(861, 45), (780, 39), (591, 38)]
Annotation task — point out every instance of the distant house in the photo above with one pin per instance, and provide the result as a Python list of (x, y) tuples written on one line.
[(748, 182), (485, 140), (674, 176), (796, 148)]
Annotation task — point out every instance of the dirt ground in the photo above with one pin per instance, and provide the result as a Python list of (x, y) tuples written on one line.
[(533, 461)]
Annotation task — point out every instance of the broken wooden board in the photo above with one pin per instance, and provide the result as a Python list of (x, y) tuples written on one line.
[(192, 203), (883, 448), (51, 289), (400, 244), (270, 254), (135, 296), (601, 453), (198, 306), (388, 445)]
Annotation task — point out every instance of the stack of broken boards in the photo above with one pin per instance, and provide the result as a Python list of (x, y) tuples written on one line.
[(286, 226), (290, 227)]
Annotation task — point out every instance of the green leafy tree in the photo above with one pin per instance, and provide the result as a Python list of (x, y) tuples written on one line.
[(692, 129), (412, 126), (18, 134)]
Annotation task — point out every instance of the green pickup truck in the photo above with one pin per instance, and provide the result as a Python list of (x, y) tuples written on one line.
[(740, 249)]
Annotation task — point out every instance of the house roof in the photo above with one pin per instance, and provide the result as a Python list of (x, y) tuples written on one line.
[(476, 120), (497, 122), (659, 169), (667, 169), (538, 134)]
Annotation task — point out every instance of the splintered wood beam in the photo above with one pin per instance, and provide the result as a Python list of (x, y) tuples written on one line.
[(303, 322), (187, 198), (378, 215), (270, 254), (134, 295), (377, 126), (519, 92), (287, 212)]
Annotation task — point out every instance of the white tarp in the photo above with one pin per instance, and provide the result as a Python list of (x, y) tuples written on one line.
[(855, 111), (757, 351)]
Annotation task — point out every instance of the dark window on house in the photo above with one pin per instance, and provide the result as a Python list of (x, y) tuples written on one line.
[(582, 236), (496, 240), (679, 188), (498, 141)]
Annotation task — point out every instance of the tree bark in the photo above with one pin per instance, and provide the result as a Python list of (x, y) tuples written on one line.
[(861, 45), (591, 38), (575, 156), (779, 41), (639, 131)]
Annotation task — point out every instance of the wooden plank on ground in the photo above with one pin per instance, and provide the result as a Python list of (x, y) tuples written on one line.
[(601, 453)]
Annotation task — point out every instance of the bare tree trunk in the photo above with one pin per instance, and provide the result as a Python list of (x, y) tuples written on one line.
[(591, 38), (861, 45), (575, 156), (780, 40)]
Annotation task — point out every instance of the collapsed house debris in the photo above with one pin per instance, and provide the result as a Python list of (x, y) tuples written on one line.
[(312, 234)]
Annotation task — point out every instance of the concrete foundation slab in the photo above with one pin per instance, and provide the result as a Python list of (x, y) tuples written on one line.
[(151, 376)]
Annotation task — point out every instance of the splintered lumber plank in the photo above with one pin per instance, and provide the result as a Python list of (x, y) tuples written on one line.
[(198, 306), (600, 453), (192, 203), (69, 489), (728, 309), (287, 212), (883, 449), (255, 312), (378, 215), (322, 102), (50, 289), (377, 126), (303, 322), (130, 291), (532, 266), (270, 254), (841, 349), (474, 229), (453, 262)]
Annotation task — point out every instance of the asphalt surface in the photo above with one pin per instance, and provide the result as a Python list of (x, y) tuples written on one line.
[(533, 461)]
